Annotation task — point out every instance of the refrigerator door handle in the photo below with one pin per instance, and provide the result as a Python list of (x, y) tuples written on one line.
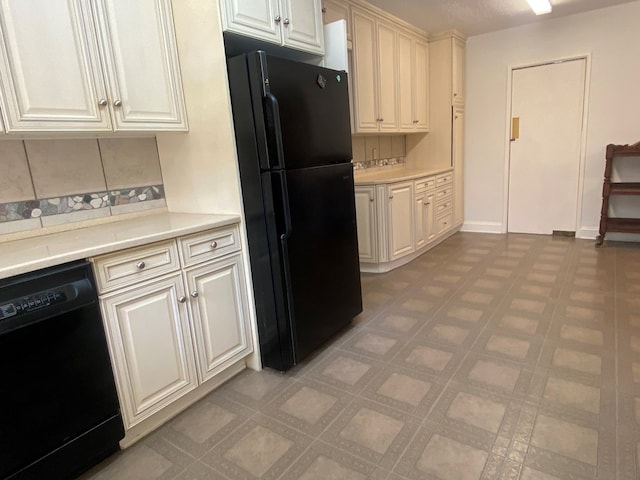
[(274, 132), (284, 238)]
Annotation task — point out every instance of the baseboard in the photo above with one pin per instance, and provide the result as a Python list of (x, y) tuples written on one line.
[(588, 233), (482, 227)]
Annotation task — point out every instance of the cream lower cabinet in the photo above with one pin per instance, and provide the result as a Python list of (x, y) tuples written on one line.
[(219, 312), (366, 223), (399, 221), (150, 342), (176, 315)]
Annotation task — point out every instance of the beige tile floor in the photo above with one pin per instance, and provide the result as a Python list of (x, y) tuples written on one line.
[(489, 357)]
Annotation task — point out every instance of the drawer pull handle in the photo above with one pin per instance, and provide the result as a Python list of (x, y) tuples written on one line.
[(140, 265), (214, 244), (182, 299), (194, 294)]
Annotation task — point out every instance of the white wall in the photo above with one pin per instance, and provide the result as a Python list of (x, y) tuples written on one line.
[(612, 37)]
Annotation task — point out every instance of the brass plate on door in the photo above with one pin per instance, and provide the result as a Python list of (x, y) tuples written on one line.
[(515, 128)]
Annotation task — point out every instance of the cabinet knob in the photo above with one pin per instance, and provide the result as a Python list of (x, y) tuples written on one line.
[(140, 265), (194, 294), (182, 299), (214, 244), (371, 199), (455, 94), (286, 21), (103, 102), (381, 119), (390, 196), (278, 18), (117, 103), (324, 9)]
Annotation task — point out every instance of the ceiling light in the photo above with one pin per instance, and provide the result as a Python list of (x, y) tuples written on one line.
[(540, 7)]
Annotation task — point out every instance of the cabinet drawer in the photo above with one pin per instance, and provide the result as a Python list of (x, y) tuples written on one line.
[(444, 179), (207, 245), (444, 192), (444, 206), (444, 223), (423, 184), (134, 265)]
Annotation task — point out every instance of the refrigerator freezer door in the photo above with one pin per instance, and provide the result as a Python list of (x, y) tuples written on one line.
[(314, 113), (321, 254)]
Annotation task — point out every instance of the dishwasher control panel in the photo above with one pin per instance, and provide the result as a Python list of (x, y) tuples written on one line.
[(31, 303)]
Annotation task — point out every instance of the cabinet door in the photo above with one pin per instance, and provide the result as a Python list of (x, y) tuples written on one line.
[(141, 62), (252, 18), (365, 77), (218, 304), (387, 74), (458, 53), (50, 75), (457, 161), (421, 86), (302, 25), (150, 343), (406, 67), (401, 219), (333, 11), (366, 222), (420, 225), (429, 216)]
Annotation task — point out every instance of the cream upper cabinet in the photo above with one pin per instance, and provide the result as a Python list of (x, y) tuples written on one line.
[(141, 63), (421, 89), (107, 65), (457, 64), (375, 72), (290, 23), (413, 83), (457, 156), (50, 74), (406, 68), (366, 223), (401, 219)]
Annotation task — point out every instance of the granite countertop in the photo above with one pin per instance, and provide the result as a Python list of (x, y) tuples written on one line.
[(394, 174), (21, 256)]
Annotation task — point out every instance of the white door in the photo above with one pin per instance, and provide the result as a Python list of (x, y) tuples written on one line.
[(142, 64), (150, 340), (302, 25), (50, 77), (544, 161), (220, 314)]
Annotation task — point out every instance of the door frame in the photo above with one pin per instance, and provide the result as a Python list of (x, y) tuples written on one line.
[(583, 136)]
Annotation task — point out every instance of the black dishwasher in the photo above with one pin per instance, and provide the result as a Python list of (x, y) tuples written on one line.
[(59, 411)]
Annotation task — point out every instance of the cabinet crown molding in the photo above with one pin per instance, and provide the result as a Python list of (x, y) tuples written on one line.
[(448, 34), (387, 16)]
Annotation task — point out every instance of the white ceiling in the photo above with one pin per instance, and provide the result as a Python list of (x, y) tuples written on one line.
[(473, 17)]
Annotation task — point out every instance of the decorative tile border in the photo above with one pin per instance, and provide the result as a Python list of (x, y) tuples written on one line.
[(379, 162), (13, 211)]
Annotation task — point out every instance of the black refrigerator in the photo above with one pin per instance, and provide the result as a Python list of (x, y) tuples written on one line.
[(293, 140)]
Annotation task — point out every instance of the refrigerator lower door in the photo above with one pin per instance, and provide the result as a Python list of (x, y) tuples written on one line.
[(321, 254)]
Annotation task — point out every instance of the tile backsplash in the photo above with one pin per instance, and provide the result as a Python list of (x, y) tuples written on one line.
[(53, 182), (378, 151)]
